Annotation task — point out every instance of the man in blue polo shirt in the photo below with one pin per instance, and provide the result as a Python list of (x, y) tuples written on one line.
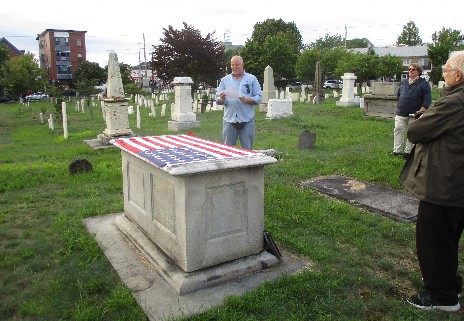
[(239, 92)]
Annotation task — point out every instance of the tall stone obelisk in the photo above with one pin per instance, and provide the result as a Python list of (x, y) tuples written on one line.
[(269, 90), (116, 105)]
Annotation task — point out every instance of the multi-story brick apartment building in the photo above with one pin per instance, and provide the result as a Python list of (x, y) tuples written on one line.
[(61, 52)]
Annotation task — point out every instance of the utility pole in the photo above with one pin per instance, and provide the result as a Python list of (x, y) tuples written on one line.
[(145, 55), (346, 31)]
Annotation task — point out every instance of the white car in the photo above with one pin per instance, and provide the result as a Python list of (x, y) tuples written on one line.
[(332, 84), (37, 96)]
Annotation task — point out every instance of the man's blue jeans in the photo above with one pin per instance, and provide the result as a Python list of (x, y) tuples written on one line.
[(246, 134)]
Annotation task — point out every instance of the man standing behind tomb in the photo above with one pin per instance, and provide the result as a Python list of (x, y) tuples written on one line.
[(435, 175), (414, 95), (239, 92)]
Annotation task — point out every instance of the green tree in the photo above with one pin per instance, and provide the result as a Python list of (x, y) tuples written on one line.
[(330, 60), (274, 43), (330, 50), (186, 53), (443, 42), (23, 73), (273, 27), (409, 36), (389, 67), (91, 71), (357, 43), (327, 43), (306, 64), (4, 56)]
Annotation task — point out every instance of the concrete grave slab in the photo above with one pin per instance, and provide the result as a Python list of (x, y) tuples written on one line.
[(391, 203)]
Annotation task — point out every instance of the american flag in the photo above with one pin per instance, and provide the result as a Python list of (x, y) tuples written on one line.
[(174, 150)]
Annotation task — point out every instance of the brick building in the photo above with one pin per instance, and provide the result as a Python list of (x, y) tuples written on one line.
[(12, 50), (61, 52)]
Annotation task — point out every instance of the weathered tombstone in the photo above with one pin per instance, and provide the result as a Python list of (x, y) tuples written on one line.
[(163, 109), (138, 116), (279, 108), (41, 118), (268, 88), (317, 84), (181, 113), (382, 101), (199, 222), (117, 118), (65, 120), (348, 90), (80, 165), (50, 122), (306, 140)]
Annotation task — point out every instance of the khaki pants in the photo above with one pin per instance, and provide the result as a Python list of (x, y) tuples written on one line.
[(399, 135)]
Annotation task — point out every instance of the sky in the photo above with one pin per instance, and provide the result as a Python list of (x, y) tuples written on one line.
[(122, 26)]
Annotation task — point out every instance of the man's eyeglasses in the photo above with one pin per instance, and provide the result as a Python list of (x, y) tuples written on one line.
[(412, 69)]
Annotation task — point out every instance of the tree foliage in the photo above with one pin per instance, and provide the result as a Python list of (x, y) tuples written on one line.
[(357, 43), (367, 66), (328, 50), (91, 71), (4, 56), (185, 53), (23, 73), (409, 36), (443, 42), (327, 43), (273, 43)]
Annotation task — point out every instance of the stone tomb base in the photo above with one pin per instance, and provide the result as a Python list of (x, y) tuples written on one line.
[(187, 282), (156, 297)]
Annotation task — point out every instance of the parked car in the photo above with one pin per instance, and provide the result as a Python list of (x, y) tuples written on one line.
[(37, 96), (295, 85), (298, 85), (332, 84)]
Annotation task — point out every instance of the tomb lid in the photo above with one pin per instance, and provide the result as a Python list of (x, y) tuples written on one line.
[(182, 81), (188, 154)]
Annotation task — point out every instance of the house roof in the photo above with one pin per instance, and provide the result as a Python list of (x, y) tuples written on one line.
[(402, 51), (10, 46)]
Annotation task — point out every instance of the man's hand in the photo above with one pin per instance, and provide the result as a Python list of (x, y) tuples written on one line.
[(246, 100), (222, 98)]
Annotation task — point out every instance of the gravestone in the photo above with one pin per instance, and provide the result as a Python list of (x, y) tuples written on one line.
[(279, 108), (80, 165), (383, 100), (347, 98), (116, 106), (318, 96), (194, 208), (306, 140), (182, 116), (269, 91)]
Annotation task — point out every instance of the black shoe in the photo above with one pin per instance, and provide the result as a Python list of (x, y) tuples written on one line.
[(405, 155), (426, 302), (396, 154)]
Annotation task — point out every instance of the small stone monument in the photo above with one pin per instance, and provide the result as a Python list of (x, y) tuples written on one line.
[(317, 84), (116, 106), (348, 90), (279, 108), (182, 116), (269, 91), (306, 140)]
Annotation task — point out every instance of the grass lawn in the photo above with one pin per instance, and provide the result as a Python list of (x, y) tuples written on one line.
[(361, 266)]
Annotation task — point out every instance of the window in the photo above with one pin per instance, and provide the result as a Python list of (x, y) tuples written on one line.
[(79, 42)]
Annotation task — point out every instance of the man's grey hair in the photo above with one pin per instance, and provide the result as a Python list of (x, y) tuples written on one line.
[(456, 61)]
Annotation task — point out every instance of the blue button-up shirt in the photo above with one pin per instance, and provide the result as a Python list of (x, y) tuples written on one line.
[(235, 111)]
